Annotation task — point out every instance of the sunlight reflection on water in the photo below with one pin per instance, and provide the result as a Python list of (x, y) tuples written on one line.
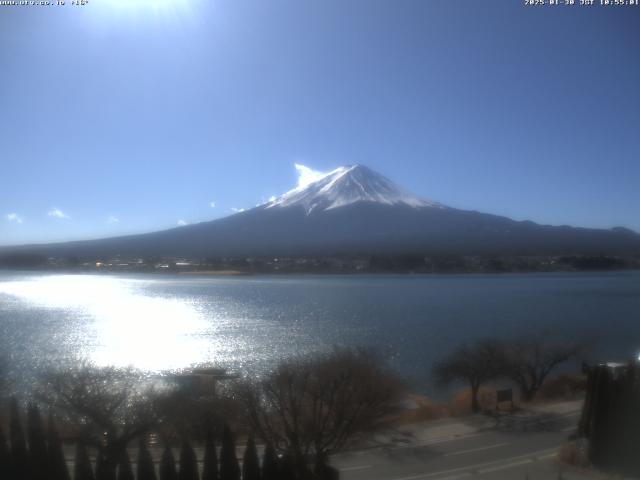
[(248, 324), (129, 328)]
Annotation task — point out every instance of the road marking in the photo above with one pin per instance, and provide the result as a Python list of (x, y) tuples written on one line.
[(516, 464), (495, 469), (456, 437), (488, 470), (462, 452), (540, 454), (356, 467), (450, 439), (437, 441), (506, 466)]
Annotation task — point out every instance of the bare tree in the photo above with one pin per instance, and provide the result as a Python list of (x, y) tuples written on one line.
[(315, 407), (476, 364), (530, 360), (182, 415), (108, 406)]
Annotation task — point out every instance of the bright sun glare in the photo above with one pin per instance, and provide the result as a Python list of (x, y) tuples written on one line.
[(169, 10), (151, 333), (145, 4)]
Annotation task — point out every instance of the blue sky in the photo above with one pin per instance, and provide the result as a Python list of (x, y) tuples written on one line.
[(127, 116)]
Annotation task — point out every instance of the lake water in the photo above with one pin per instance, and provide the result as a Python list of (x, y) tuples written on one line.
[(248, 324)]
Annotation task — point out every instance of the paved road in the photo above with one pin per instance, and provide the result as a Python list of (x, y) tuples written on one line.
[(511, 449)]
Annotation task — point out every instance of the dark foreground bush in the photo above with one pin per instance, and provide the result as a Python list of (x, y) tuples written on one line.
[(611, 418)]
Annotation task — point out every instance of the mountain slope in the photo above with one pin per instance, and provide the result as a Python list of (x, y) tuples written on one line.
[(354, 210)]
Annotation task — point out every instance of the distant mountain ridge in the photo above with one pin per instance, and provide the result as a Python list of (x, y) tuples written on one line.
[(354, 210)]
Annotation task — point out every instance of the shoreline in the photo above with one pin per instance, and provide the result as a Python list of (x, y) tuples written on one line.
[(212, 273), (240, 273)]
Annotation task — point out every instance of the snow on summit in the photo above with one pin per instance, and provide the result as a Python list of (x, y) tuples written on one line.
[(344, 186)]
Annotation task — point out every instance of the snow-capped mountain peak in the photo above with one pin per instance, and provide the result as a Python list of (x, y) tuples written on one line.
[(347, 185)]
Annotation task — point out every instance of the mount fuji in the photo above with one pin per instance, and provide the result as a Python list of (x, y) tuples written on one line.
[(354, 210), (345, 186)]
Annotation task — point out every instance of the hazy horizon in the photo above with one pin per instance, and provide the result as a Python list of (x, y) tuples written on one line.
[(305, 174)]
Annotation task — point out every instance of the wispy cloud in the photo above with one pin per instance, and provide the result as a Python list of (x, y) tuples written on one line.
[(57, 213), (182, 223), (113, 219), (212, 204), (13, 217), (265, 202), (237, 210), (307, 175)]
